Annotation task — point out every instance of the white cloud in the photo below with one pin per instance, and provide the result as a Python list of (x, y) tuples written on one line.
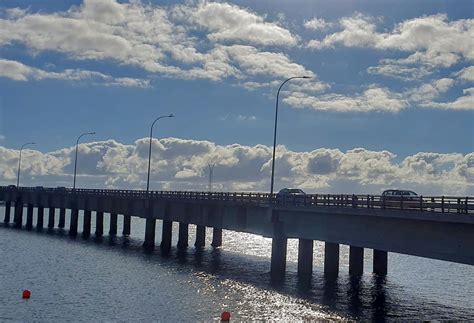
[(182, 164), (317, 24), (466, 74), (372, 99), (464, 102), (20, 72), (434, 42)]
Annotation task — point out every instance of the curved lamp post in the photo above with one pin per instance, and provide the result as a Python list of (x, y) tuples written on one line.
[(275, 132), (149, 150), (19, 163), (75, 162)]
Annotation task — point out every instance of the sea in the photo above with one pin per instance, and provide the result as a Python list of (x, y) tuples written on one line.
[(114, 279)]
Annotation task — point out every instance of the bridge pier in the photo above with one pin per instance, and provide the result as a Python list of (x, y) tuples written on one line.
[(127, 225), (40, 219), (183, 236), (74, 222), (29, 217), (279, 246), (166, 235), (331, 259), (216, 237), (200, 236), (380, 262), (113, 224), (356, 261), (305, 257), (18, 216), (52, 213), (150, 228), (99, 223), (86, 227), (8, 205), (62, 218)]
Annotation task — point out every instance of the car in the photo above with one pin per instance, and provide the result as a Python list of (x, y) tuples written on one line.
[(397, 195), (290, 196), (12, 187)]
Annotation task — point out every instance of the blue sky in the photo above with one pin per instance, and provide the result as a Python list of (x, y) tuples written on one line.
[(392, 76)]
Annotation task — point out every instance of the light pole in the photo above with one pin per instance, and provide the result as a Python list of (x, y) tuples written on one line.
[(211, 173), (149, 150), (275, 132), (19, 163), (75, 162)]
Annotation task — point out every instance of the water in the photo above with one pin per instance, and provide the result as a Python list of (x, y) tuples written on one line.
[(78, 280)]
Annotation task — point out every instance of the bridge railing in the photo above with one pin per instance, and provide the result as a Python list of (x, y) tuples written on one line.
[(440, 204)]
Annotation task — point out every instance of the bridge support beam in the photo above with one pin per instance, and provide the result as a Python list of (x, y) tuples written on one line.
[(113, 224), (380, 262), (278, 261), (40, 219), (99, 223), (86, 228), (29, 217), (305, 257), (62, 218), (8, 205), (51, 215), (166, 236), (18, 217), (200, 236), (183, 235), (216, 237), (150, 227), (74, 222), (127, 225), (356, 261), (331, 259)]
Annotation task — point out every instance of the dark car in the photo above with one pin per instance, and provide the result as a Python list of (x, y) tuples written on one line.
[(12, 187), (290, 196), (397, 195)]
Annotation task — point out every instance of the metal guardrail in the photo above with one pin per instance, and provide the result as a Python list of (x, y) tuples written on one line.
[(439, 204)]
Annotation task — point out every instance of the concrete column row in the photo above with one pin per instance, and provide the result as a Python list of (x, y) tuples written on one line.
[(331, 258)]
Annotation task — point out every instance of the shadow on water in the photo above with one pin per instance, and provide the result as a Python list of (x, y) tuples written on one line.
[(366, 297)]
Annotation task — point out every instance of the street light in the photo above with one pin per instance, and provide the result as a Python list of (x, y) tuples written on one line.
[(275, 132), (19, 163), (211, 173), (75, 162), (149, 150)]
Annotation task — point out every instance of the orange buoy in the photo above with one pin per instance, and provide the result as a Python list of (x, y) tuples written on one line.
[(26, 294), (225, 316)]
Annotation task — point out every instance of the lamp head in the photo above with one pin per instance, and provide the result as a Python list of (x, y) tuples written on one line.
[(92, 133), (171, 116), (306, 77)]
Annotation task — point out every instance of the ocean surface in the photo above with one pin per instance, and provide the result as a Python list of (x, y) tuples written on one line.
[(115, 280)]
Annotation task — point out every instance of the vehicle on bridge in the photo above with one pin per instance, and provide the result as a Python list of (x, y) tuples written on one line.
[(398, 195), (293, 196)]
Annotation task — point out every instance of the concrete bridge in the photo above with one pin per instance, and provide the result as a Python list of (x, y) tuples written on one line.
[(432, 227)]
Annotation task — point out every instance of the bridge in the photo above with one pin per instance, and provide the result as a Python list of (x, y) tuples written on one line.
[(437, 227)]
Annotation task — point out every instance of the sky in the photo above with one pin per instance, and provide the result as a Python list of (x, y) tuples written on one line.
[(390, 102)]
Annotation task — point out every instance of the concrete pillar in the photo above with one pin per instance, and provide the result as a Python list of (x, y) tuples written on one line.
[(86, 228), (99, 223), (183, 235), (305, 257), (18, 217), (8, 205), (380, 262), (62, 218), (216, 237), (40, 220), (29, 217), (167, 234), (127, 224), (150, 228), (113, 224), (356, 261), (331, 258), (278, 261), (74, 222), (52, 213), (200, 236)]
